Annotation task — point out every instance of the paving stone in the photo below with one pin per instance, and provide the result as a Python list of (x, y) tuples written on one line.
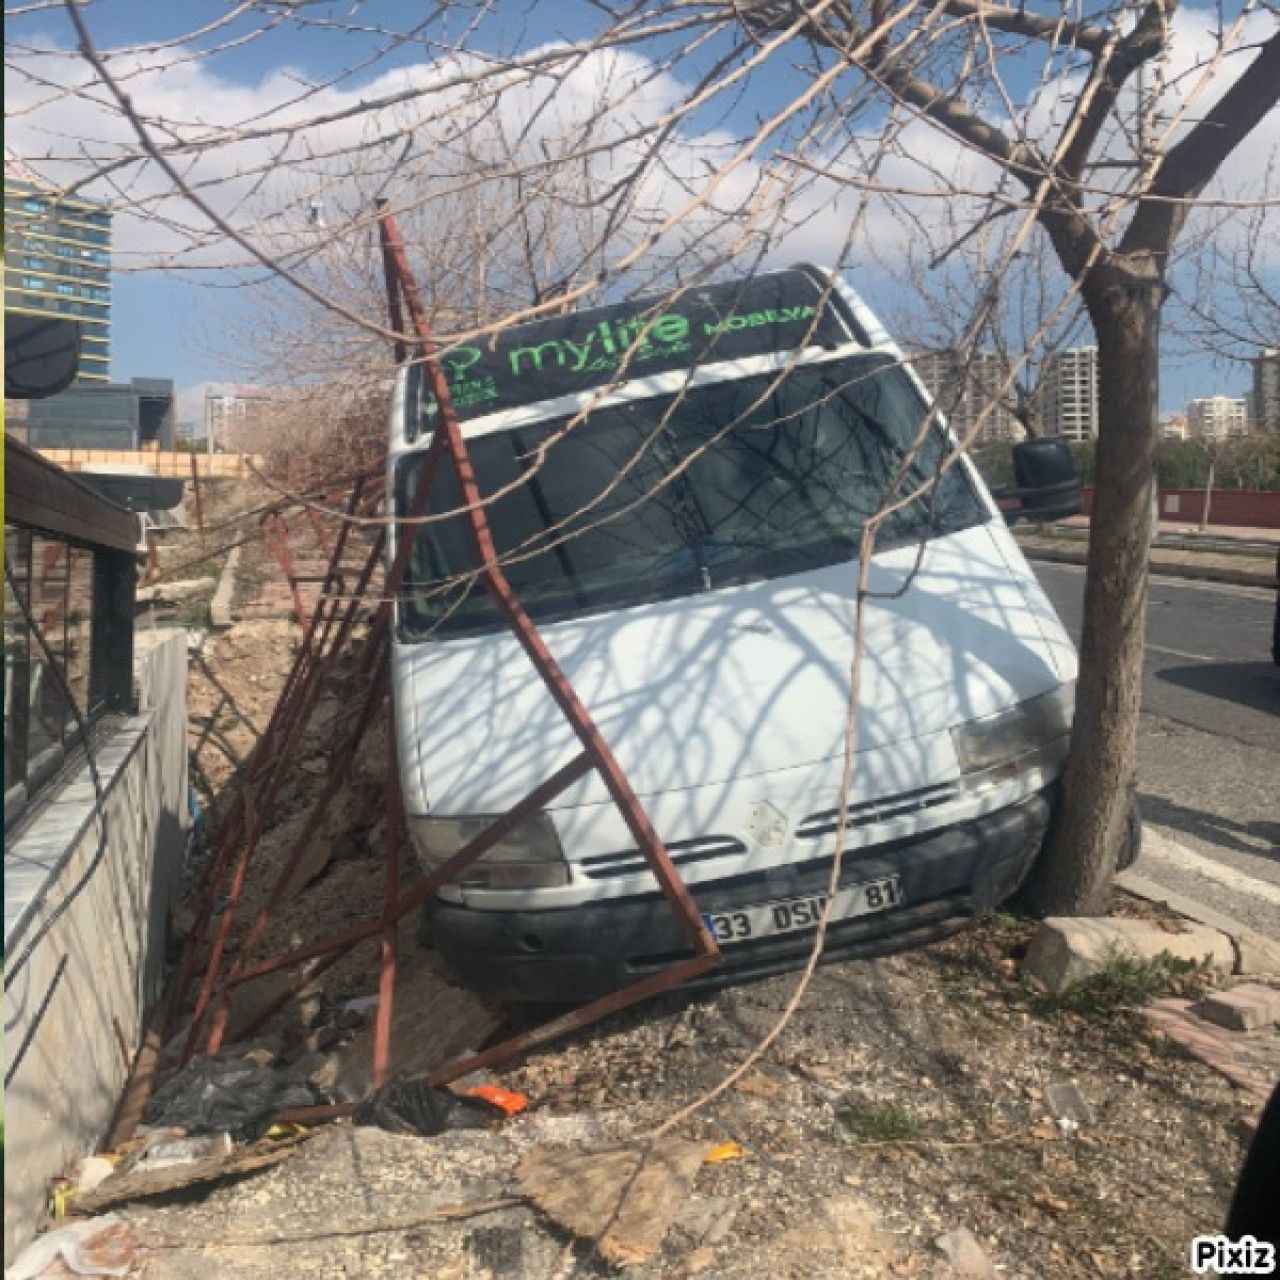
[(1243, 1008), (1067, 950), (1213, 1046)]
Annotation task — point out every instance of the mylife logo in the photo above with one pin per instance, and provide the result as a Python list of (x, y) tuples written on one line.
[(1222, 1256), (460, 359), (604, 339)]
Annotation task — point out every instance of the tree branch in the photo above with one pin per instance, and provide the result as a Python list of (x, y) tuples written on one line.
[(1112, 67), (1018, 22), (1194, 161)]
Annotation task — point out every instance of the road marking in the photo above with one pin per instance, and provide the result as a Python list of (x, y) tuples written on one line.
[(1163, 849), (1178, 653)]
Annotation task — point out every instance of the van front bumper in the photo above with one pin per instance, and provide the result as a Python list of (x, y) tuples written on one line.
[(575, 954)]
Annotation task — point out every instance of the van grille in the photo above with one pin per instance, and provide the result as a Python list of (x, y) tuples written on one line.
[(604, 866), (869, 812)]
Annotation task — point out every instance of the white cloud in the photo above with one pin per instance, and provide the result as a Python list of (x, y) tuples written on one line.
[(263, 186)]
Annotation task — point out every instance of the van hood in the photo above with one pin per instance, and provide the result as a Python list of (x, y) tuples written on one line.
[(746, 680)]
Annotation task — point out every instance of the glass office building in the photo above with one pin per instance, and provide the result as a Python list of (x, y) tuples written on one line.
[(58, 263)]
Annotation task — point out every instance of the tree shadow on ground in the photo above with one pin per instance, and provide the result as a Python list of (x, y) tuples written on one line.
[(1259, 839), (1251, 684)]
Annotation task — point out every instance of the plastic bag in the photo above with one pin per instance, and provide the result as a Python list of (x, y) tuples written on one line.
[(413, 1106), (226, 1093), (102, 1246), (168, 1152)]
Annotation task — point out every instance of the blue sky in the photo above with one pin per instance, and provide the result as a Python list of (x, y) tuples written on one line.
[(164, 325)]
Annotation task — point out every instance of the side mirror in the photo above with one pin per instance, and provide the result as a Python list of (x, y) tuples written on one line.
[(1048, 484)]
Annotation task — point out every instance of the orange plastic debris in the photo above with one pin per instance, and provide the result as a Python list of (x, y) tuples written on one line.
[(508, 1100), (725, 1151)]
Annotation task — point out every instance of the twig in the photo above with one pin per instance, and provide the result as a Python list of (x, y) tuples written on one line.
[(442, 1213)]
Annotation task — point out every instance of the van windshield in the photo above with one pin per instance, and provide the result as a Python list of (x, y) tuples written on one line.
[(674, 495)]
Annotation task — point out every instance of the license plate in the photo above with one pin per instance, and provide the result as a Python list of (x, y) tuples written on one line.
[(793, 914)]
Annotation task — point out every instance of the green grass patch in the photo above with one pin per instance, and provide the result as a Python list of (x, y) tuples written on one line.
[(862, 1121), (1127, 982)]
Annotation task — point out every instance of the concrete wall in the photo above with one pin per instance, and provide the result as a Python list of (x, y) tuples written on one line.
[(73, 1013)]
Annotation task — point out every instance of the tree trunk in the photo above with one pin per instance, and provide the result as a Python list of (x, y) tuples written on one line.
[(1208, 494), (1073, 875)]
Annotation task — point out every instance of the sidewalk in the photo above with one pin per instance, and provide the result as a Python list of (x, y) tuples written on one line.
[(1226, 532), (1240, 565)]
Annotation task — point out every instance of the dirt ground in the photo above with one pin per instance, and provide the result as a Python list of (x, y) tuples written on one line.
[(907, 1098)]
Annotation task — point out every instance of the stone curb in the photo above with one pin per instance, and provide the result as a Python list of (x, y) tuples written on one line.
[(1255, 953), (1198, 573), (220, 606)]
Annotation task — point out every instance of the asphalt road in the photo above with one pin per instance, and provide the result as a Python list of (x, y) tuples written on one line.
[(1209, 739)]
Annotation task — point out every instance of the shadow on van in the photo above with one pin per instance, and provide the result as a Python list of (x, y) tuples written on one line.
[(696, 692)]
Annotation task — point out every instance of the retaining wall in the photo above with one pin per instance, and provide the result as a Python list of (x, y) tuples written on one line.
[(74, 1011)]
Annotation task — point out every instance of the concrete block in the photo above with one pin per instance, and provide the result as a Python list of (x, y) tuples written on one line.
[(177, 592), (220, 606), (1243, 1008), (1066, 950), (1255, 953)]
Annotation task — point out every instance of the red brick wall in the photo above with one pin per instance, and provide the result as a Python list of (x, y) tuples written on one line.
[(1249, 508)]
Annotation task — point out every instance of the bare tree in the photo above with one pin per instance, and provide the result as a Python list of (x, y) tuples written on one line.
[(1115, 244)]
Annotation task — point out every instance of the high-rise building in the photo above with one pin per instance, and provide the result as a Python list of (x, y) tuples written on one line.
[(963, 392), (1069, 394), (1174, 427), (58, 262), (1266, 390), (1217, 417)]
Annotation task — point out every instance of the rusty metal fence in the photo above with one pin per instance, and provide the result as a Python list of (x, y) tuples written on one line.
[(357, 621)]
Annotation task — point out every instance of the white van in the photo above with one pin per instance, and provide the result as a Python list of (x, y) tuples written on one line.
[(703, 610)]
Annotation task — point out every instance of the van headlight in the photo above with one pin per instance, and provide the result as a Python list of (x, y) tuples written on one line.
[(1033, 735), (530, 857)]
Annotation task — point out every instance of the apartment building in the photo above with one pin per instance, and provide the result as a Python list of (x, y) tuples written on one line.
[(964, 391), (1217, 417), (1069, 394)]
